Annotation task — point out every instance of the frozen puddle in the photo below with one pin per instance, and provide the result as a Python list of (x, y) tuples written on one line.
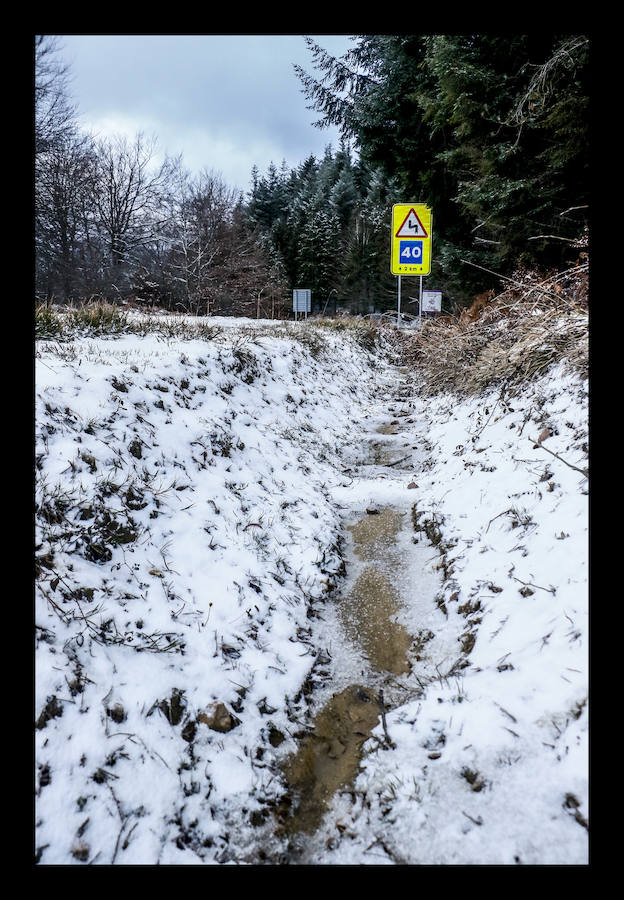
[(384, 634), (367, 611)]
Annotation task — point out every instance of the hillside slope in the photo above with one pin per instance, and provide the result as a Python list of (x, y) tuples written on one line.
[(191, 488)]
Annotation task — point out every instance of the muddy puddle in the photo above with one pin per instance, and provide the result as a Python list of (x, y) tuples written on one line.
[(377, 663), (329, 757), (367, 611), (389, 428)]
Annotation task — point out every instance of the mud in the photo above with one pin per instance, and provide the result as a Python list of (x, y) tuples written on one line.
[(329, 757), (366, 615)]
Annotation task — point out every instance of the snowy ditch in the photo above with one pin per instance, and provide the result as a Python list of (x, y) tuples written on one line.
[(288, 612), (383, 636)]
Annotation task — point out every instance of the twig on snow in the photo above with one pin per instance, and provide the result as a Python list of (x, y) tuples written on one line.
[(550, 590), (389, 742), (540, 445), (397, 461)]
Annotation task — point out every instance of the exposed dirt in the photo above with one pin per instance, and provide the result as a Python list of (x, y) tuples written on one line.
[(329, 757)]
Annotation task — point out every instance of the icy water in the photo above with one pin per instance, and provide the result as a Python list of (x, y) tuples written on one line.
[(329, 757), (367, 610), (374, 630)]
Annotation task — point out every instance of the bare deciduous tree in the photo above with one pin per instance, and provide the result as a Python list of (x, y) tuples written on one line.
[(129, 192), (64, 180), (54, 112), (201, 242)]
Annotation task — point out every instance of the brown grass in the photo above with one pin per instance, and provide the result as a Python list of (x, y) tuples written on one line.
[(506, 338)]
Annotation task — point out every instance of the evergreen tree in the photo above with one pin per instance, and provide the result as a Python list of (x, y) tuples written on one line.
[(516, 169), (491, 131), (327, 223), (318, 250)]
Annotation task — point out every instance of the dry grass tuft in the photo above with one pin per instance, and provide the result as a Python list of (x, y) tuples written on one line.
[(504, 339)]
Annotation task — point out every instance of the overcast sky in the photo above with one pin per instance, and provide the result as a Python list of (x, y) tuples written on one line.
[(224, 101)]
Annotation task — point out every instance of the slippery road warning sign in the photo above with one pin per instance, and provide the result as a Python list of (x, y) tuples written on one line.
[(411, 239)]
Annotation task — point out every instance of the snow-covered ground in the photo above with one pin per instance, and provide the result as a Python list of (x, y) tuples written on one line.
[(192, 501), (490, 764)]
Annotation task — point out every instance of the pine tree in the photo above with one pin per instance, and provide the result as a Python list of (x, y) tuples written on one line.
[(491, 131)]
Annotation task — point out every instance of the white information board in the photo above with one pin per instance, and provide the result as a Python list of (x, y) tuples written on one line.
[(431, 301), (302, 301)]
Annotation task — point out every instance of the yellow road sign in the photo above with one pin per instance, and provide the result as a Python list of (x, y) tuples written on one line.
[(410, 252)]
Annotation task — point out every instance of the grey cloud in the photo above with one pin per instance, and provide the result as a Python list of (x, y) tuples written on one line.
[(196, 91)]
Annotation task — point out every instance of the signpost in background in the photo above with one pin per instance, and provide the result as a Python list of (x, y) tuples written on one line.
[(302, 302), (410, 249), (432, 301)]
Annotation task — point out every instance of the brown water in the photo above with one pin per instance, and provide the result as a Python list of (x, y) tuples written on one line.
[(375, 533), (388, 428), (366, 618), (329, 758), (368, 609)]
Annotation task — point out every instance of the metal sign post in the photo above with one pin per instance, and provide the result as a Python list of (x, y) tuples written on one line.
[(410, 246)]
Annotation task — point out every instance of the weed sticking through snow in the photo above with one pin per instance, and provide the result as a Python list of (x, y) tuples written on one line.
[(295, 604)]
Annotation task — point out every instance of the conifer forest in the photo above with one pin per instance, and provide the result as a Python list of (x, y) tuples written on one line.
[(491, 131)]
